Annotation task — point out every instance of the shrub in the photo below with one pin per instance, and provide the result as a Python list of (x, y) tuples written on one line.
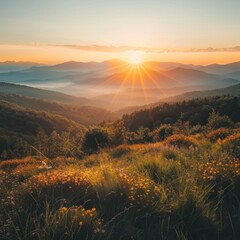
[(231, 144), (141, 136), (56, 187), (120, 151), (224, 179), (179, 141), (219, 171), (95, 139), (219, 133), (196, 129), (216, 121), (162, 132), (64, 223), (75, 222)]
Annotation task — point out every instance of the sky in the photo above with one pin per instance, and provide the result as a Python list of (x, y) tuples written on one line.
[(52, 31)]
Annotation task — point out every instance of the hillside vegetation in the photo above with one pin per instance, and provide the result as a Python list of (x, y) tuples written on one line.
[(175, 181), (84, 115), (195, 111)]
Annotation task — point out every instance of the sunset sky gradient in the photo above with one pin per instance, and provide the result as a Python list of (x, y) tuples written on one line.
[(54, 31)]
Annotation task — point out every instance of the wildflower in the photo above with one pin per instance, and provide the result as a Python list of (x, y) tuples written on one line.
[(63, 209)]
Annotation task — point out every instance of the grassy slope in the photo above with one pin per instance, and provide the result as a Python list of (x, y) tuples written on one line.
[(147, 191)]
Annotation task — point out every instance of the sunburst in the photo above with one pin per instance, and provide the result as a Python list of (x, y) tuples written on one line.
[(135, 57)]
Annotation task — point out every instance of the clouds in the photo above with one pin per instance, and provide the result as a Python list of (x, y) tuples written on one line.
[(118, 49), (52, 54), (210, 49), (110, 48)]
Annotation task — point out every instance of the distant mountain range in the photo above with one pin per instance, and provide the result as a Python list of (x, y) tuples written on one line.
[(115, 84), (232, 90), (9, 66), (116, 73), (40, 94)]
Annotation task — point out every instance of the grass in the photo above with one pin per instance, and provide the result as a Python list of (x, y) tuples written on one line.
[(186, 187)]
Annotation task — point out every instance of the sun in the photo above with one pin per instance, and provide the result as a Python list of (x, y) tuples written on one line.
[(135, 57)]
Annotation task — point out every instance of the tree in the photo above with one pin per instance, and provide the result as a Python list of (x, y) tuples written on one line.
[(95, 139), (164, 131), (216, 121)]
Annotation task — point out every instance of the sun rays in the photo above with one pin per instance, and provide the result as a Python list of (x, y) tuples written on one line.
[(133, 82), (135, 57)]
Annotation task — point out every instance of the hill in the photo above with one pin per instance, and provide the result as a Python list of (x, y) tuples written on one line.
[(232, 90), (115, 84), (165, 183), (200, 78), (21, 128), (79, 78), (10, 66), (26, 122), (84, 115), (135, 78), (196, 111), (26, 91), (221, 68)]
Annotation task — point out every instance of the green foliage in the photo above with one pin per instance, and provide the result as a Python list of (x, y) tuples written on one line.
[(141, 136), (194, 111), (165, 194), (75, 222), (95, 139), (216, 121), (159, 171), (21, 129), (67, 108), (162, 132), (183, 187), (117, 132)]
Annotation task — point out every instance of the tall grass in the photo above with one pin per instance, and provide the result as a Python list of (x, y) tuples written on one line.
[(145, 191)]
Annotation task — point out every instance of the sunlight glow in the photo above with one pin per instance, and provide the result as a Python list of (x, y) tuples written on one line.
[(135, 57)]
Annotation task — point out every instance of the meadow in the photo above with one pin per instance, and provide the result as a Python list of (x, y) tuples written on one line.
[(184, 185)]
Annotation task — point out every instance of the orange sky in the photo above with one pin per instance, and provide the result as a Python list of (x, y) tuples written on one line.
[(58, 54), (188, 31)]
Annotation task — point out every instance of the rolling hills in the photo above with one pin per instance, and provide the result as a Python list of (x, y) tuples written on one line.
[(99, 78), (10, 66), (232, 90), (27, 91), (115, 84), (26, 122), (195, 111)]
